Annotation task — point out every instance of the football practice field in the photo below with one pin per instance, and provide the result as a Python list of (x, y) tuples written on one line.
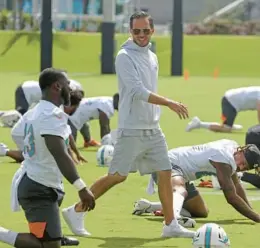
[(112, 225)]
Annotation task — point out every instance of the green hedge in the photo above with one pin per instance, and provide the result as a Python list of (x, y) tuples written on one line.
[(80, 52)]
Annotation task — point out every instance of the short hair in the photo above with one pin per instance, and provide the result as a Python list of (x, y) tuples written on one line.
[(139, 15), (50, 76), (75, 97)]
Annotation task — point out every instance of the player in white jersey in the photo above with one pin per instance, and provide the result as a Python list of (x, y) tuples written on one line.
[(222, 158), (29, 93), (46, 161), (18, 136), (94, 108), (234, 101)]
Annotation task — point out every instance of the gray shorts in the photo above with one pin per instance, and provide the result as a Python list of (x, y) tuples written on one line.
[(41, 207), (145, 151), (21, 104), (190, 187), (229, 113)]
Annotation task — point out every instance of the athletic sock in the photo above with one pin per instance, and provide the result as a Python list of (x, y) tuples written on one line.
[(155, 206), (7, 236), (178, 200), (206, 125)]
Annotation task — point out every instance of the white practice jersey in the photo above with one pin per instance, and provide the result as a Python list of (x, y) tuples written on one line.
[(32, 92), (243, 99), (195, 160), (44, 119), (89, 110), (18, 133)]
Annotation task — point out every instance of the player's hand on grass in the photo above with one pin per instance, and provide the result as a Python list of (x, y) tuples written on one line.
[(87, 199), (3, 149), (81, 159), (179, 108)]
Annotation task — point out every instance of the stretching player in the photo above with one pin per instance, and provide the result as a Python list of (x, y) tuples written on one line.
[(46, 159), (234, 101), (94, 108), (222, 158), (29, 93), (18, 129), (252, 137)]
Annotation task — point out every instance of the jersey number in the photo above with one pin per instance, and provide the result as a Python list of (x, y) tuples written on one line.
[(29, 144)]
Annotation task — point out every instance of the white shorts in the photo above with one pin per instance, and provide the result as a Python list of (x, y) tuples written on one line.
[(145, 151)]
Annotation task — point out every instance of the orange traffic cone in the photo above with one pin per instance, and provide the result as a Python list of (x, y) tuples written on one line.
[(186, 74), (216, 72)]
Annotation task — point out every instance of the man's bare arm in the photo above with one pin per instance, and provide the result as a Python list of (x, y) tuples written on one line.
[(17, 155), (239, 189), (59, 151), (104, 124), (73, 146), (224, 174)]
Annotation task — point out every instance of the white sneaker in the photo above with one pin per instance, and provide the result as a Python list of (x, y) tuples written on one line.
[(186, 222), (176, 230), (75, 221), (237, 127), (193, 124), (142, 206)]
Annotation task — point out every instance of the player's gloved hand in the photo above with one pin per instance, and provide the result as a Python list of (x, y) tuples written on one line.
[(179, 109), (87, 199), (3, 149)]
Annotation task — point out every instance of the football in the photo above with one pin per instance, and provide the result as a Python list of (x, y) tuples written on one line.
[(105, 155), (210, 235)]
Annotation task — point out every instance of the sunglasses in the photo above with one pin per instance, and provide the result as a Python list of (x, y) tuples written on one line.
[(137, 31)]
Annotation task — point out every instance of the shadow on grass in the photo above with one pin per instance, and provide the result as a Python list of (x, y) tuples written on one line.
[(219, 222), (252, 189), (90, 149), (128, 242)]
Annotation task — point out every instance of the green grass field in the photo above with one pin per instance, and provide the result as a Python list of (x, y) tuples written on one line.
[(111, 223), (79, 52)]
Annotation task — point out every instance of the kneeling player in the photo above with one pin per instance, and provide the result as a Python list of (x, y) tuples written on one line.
[(221, 158), (94, 108)]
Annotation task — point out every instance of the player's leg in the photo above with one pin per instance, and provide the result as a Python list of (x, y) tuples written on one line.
[(19, 240), (253, 179), (194, 202), (157, 160), (21, 104), (85, 132), (126, 151), (228, 116), (41, 207)]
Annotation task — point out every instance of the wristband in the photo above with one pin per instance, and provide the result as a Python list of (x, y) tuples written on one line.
[(79, 184), (6, 151)]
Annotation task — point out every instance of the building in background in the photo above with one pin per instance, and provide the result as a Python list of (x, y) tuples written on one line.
[(73, 14)]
